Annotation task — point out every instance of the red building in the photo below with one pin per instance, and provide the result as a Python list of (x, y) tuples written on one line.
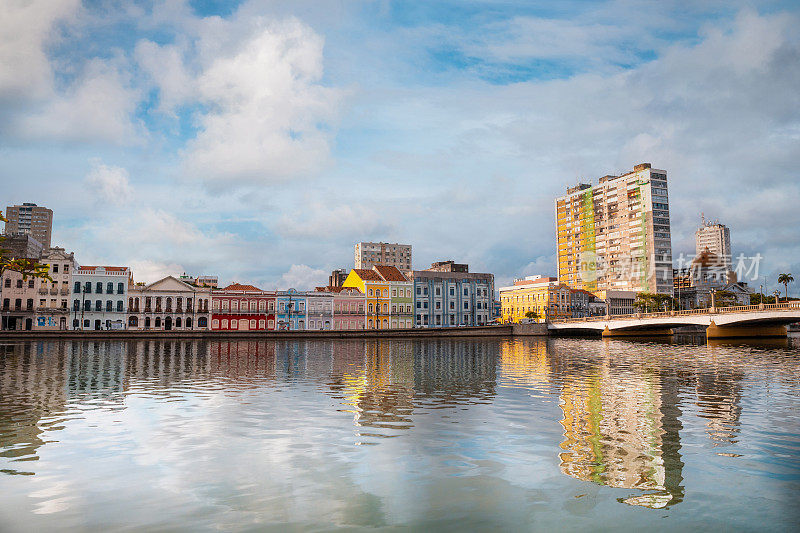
[(241, 308)]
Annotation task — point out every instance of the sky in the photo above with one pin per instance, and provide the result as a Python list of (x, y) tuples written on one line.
[(260, 140)]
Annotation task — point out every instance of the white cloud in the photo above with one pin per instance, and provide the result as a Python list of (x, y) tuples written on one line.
[(147, 271), (110, 184), (25, 28), (269, 118), (342, 220), (303, 277)]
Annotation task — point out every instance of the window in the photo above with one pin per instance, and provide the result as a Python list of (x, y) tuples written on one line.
[(370, 292), (30, 283), (119, 306), (87, 287), (76, 305), (215, 324), (8, 283), (87, 305), (86, 323), (109, 288), (55, 269), (109, 305), (98, 305), (120, 288), (99, 287)]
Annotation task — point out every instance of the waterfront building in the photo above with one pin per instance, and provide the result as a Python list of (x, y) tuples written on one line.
[(369, 254), (617, 302), (291, 310), (616, 235), (30, 219), (348, 307), (200, 281), (169, 304), (320, 310), (52, 311), (100, 297), (18, 301), (400, 294), (447, 294), (584, 303), (378, 284), (545, 296), (716, 239), (240, 307)]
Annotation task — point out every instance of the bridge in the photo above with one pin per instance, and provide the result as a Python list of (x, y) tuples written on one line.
[(768, 320)]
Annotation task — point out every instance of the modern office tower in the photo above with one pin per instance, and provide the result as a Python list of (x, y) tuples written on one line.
[(616, 235), (30, 219), (369, 254), (716, 238)]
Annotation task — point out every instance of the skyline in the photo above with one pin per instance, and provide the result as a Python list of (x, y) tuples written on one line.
[(451, 130)]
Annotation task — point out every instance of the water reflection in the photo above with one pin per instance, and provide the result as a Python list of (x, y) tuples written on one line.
[(616, 415), (622, 427)]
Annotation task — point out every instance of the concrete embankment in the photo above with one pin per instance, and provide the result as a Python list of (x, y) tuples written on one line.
[(422, 333)]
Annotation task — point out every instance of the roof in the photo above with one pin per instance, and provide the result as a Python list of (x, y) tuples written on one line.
[(367, 275), (338, 290), (390, 273), (240, 287), (106, 268), (583, 290), (707, 259)]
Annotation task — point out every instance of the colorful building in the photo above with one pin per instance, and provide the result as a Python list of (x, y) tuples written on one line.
[(377, 285), (547, 298), (52, 311), (348, 307), (290, 310), (320, 310), (616, 235), (240, 307)]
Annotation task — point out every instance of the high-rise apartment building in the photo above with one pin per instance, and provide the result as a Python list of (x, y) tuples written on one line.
[(616, 235), (716, 238), (30, 219), (369, 254)]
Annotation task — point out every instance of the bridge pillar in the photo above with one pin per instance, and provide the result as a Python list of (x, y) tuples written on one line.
[(727, 332), (637, 333)]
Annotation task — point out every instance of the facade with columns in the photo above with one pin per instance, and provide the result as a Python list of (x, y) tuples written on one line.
[(169, 304), (240, 307)]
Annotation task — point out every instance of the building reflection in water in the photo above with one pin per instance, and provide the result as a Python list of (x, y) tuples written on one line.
[(391, 379), (621, 425)]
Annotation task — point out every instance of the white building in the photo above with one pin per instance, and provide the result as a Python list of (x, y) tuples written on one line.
[(369, 254), (100, 297), (53, 309), (715, 238), (169, 304)]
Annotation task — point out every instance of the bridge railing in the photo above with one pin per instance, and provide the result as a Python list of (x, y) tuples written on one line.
[(788, 306)]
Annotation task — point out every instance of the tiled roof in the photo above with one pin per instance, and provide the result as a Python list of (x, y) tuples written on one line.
[(240, 287), (107, 268), (339, 289), (367, 275), (390, 273)]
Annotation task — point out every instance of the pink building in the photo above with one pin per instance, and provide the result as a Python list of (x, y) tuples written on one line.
[(348, 307)]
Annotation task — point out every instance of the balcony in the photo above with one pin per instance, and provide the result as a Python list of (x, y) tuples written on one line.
[(43, 291)]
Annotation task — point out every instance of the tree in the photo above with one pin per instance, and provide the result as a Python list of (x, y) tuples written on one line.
[(648, 301), (786, 279), (27, 267), (532, 314), (725, 299)]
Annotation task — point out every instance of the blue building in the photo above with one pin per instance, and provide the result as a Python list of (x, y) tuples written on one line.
[(290, 310), (448, 295)]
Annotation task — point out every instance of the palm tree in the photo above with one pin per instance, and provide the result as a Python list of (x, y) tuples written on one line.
[(786, 279)]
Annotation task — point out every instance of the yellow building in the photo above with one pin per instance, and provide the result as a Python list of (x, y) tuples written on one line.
[(544, 296), (377, 294)]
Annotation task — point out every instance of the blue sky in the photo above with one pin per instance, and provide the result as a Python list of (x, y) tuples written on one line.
[(260, 140)]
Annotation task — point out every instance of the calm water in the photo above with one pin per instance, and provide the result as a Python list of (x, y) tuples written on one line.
[(459, 435)]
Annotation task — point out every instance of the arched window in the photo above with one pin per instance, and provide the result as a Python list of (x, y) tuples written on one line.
[(385, 293), (370, 292), (385, 308), (169, 304), (147, 322), (370, 322), (189, 322), (370, 308), (252, 324), (178, 322), (385, 323), (202, 322), (158, 321)]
